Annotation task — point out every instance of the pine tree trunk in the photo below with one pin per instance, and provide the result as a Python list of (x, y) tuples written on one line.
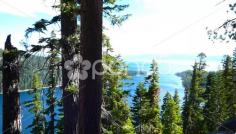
[(91, 49), (70, 100), (11, 99), (51, 92)]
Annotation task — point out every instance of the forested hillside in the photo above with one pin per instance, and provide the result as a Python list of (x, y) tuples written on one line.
[(28, 67)]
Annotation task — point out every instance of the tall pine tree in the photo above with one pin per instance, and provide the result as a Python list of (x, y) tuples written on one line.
[(90, 94), (170, 116), (193, 106), (52, 81), (228, 84), (178, 109), (154, 121), (70, 99), (139, 109), (116, 115), (215, 108), (229, 75), (233, 90), (35, 106), (185, 111)]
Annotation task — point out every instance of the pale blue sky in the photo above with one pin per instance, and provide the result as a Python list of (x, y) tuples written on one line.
[(164, 27), (157, 28)]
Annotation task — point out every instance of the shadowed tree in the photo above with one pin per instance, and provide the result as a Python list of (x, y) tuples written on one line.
[(229, 84), (90, 95), (233, 91), (10, 81), (70, 99), (215, 108), (68, 18), (52, 81), (194, 100)]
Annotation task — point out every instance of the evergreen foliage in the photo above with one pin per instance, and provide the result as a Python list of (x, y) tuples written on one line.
[(229, 75), (35, 106), (60, 121), (194, 101), (170, 115), (178, 109), (140, 109), (50, 110), (116, 115), (208, 102), (154, 125), (215, 110), (233, 91)]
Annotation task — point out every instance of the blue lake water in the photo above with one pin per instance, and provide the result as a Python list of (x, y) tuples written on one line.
[(27, 117), (168, 83)]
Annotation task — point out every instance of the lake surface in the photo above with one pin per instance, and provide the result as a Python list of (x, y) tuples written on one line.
[(27, 117), (168, 83)]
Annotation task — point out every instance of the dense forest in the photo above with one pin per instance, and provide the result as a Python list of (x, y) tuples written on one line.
[(209, 101), (80, 62)]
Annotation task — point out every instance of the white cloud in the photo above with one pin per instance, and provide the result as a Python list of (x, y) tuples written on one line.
[(32, 10), (171, 27), (27, 8), (157, 27)]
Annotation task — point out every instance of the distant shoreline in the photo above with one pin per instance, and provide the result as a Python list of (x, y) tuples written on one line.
[(27, 90), (20, 91)]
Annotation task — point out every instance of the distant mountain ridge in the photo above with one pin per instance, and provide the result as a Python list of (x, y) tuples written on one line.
[(28, 67)]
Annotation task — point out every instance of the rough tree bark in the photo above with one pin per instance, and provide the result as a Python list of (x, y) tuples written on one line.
[(10, 81), (70, 100), (91, 49)]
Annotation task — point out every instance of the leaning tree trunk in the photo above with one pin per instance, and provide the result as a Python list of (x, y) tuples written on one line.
[(70, 99), (91, 49), (10, 81)]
